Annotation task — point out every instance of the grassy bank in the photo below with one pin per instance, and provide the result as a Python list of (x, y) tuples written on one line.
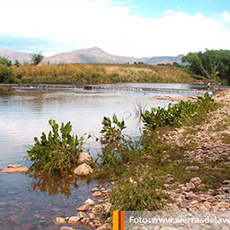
[(143, 169), (83, 74), (5, 90)]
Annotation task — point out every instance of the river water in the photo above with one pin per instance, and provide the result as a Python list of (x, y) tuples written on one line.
[(33, 201)]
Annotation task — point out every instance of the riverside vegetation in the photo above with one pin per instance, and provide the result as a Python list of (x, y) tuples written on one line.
[(211, 65), (83, 74), (56, 153), (139, 166)]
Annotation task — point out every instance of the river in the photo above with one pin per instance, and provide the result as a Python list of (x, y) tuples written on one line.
[(33, 201)]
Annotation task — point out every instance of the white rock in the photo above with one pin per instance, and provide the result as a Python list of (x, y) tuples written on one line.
[(190, 186), (96, 194), (226, 182), (83, 170), (223, 205), (66, 228), (74, 219), (84, 157), (89, 202), (107, 206), (196, 180), (83, 208), (192, 168), (81, 215)]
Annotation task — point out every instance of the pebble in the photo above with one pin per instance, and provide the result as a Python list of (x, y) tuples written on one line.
[(66, 228), (192, 168), (74, 219), (81, 215), (89, 202), (226, 182), (96, 194), (60, 220)]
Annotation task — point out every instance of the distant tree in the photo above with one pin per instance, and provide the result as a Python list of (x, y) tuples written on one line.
[(36, 57), (17, 63), (5, 61), (176, 64), (211, 64)]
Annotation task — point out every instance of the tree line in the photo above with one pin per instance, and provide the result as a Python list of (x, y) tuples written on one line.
[(211, 64)]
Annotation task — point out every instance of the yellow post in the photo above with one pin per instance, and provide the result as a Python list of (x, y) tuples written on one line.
[(115, 220)]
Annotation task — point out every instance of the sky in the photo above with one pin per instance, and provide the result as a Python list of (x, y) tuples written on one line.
[(139, 28)]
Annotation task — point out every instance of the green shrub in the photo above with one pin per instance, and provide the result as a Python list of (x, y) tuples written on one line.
[(56, 153), (176, 114), (6, 74), (116, 147), (112, 133)]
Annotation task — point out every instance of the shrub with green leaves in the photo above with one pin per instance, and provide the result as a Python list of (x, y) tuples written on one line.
[(57, 152), (112, 133), (116, 146), (176, 114), (6, 74)]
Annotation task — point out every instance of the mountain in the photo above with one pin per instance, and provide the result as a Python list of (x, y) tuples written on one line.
[(164, 59), (15, 55), (90, 55)]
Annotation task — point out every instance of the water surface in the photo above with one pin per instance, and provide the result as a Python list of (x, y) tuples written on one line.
[(33, 201)]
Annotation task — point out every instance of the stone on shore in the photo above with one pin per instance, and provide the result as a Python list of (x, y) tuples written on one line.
[(83, 208), (195, 180), (74, 220), (89, 202), (84, 158), (83, 170), (96, 194), (192, 168), (66, 228)]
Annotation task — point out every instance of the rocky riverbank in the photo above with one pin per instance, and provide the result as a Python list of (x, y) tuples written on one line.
[(211, 142), (206, 150)]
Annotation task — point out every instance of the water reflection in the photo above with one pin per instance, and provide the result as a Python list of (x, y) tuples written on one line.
[(53, 185)]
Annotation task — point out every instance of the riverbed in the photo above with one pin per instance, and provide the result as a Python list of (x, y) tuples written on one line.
[(33, 201)]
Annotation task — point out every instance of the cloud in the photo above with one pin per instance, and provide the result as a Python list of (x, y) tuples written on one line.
[(168, 12), (75, 24)]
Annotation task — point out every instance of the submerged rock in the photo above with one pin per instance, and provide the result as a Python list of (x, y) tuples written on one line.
[(17, 169), (83, 170), (60, 220)]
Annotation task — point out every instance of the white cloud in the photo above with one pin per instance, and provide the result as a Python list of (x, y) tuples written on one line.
[(168, 12), (83, 23)]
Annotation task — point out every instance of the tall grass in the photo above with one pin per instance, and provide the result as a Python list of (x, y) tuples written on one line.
[(83, 74)]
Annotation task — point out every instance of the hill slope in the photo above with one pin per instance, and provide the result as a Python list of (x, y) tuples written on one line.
[(90, 55)]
